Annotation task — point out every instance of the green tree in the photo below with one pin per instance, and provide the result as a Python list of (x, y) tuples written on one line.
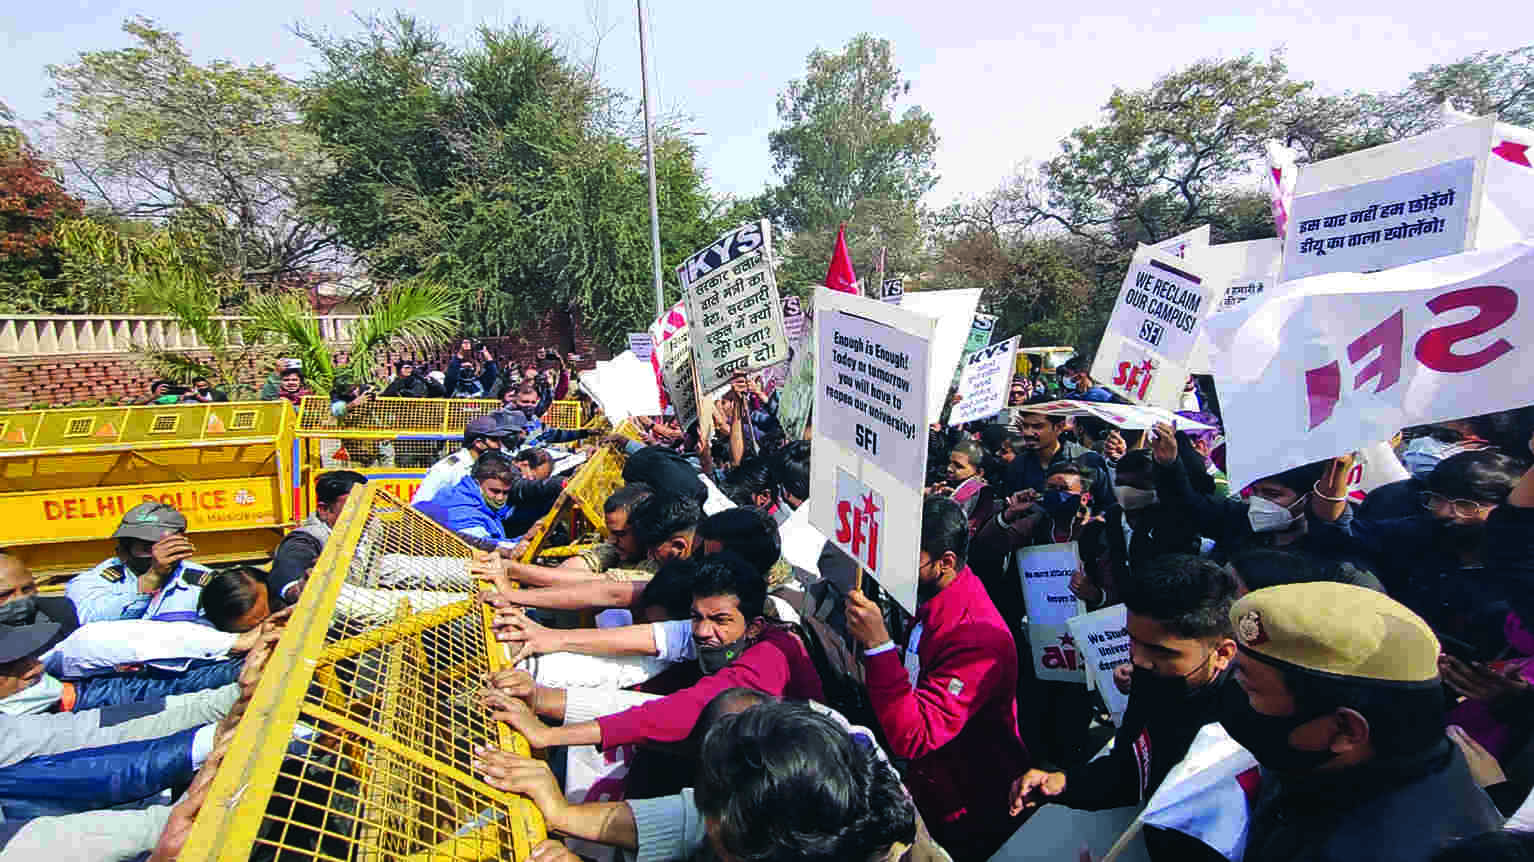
[(846, 153), (1161, 159), (503, 169), (33, 203), (152, 135)]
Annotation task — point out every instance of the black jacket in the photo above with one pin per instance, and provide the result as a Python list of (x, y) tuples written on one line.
[(1397, 810), (414, 386)]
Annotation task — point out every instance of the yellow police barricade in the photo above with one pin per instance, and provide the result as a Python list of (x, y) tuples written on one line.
[(577, 513), (565, 415), (358, 740), (67, 476), (392, 441)]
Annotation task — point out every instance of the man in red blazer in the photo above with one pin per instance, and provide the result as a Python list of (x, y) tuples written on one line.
[(950, 706)]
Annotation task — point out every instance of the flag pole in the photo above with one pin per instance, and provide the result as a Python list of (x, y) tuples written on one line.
[(649, 146)]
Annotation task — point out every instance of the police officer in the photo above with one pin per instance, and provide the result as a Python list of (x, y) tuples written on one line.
[(152, 576), (1343, 708)]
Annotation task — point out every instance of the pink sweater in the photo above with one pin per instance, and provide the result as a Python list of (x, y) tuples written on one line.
[(777, 664)]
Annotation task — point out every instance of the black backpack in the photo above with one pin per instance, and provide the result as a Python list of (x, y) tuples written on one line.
[(823, 628)]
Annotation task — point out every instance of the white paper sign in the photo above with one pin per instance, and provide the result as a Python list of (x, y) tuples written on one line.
[(1376, 465), (641, 344), (1046, 572), (984, 380), (892, 290), (871, 392), (954, 313), (863, 441), (1183, 245), (1102, 637), (793, 317), (733, 307), (1150, 339), (1340, 361), (1388, 206), (672, 361)]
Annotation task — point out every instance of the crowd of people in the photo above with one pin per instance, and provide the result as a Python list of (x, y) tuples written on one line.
[(1368, 650)]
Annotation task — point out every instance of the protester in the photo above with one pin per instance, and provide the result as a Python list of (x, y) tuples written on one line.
[(482, 434), (202, 392), (290, 387), (622, 548), (410, 383), (735, 646), (466, 377), (273, 382), (1041, 448), (298, 551), (1181, 649), (954, 715), (476, 505), (1078, 384), (152, 575)]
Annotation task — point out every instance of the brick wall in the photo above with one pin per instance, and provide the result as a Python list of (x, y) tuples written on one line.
[(72, 378)]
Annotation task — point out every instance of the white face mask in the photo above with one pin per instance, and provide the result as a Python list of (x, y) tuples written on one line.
[(1267, 516), (38, 697), (1134, 499)]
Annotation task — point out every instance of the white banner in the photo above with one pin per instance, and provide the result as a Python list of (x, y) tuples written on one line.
[(1183, 245), (1388, 206), (870, 433), (1102, 636), (984, 381), (1339, 361), (1150, 339), (1046, 572), (733, 307)]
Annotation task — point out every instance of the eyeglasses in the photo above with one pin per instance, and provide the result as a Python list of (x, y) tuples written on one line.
[(1433, 502)]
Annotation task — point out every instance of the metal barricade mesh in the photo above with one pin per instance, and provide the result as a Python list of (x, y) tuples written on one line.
[(577, 514), (358, 741), (565, 415), (391, 417)]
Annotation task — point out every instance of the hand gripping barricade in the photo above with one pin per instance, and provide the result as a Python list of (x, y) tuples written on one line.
[(67, 477), (577, 513), (358, 740)]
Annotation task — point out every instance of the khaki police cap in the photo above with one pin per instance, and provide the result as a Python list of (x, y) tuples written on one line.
[(1337, 629)]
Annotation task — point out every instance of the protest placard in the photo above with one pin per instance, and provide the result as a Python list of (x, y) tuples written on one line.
[(870, 434), (984, 379), (954, 312), (1127, 416), (623, 387), (672, 361), (1154, 329), (1390, 205), (642, 345), (733, 308), (1102, 637), (1046, 574), (892, 290), (793, 318), (1339, 361), (1184, 244)]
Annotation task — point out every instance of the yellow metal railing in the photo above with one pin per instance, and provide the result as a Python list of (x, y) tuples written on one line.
[(579, 507), (391, 417), (357, 743)]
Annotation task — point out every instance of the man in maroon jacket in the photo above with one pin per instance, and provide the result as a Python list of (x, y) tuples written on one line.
[(735, 646), (951, 706)]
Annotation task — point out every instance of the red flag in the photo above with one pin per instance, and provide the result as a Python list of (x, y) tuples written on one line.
[(840, 276)]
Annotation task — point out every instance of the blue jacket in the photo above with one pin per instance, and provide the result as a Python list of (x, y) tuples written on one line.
[(461, 508), (95, 692), (80, 761)]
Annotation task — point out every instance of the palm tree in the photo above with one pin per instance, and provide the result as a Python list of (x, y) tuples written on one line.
[(413, 314)]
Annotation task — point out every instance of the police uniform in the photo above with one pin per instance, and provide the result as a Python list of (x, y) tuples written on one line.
[(109, 591), (1409, 799)]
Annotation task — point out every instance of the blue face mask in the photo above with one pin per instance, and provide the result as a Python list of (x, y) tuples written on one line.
[(1424, 453), (1069, 383)]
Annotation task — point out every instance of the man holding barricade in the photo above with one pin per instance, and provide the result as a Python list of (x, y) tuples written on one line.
[(152, 575)]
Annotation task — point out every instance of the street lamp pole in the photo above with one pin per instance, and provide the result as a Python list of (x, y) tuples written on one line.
[(649, 145)]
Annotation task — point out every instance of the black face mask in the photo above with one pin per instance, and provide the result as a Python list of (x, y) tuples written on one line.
[(1166, 687), (1061, 505), (712, 659), (1267, 736), (137, 565)]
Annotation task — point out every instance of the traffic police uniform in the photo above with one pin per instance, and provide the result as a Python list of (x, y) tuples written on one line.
[(110, 590)]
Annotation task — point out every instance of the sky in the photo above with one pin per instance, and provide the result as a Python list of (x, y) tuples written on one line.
[(1004, 81)]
